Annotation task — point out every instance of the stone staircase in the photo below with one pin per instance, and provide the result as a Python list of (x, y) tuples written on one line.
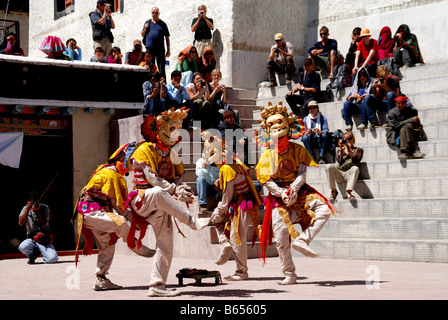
[(400, 212)]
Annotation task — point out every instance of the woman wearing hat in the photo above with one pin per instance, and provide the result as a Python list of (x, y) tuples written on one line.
[(366, 53)]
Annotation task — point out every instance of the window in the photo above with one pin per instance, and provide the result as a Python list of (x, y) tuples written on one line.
[(63, 7)]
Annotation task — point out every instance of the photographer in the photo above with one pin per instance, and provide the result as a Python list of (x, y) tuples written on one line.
[(154, 92), (346, 169), (102, 23), (36, 216), (200, 95), (202, 26), (281, 60), (406, 50), (316, 127)]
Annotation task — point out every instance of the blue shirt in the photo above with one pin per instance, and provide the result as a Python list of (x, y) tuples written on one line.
[(175, 94), (330, 45), (156, 34), (74, 54)]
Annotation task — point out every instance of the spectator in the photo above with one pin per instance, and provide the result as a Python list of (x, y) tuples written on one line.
[(36, 217), (385, 88), (102, 24), (356, 99), (281, 60), (404, 121), (351, 54), (99, 56), (200, 95), (154, 32), (324, 53), (188, 64), (207, 63), (115, 56), (53, 47), (12, 47), (134, 57), (177, 96), (346, 169), (154, 92), (228, 123), (316, 130), (207, 174), (385, 43), (366, 53), (73, 51), (148, 63), (406, 50), (309, 87), (218, 97), (202, 27)]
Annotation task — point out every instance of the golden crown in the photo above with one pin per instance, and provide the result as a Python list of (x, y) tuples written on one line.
[(167, 115), (272, 110)]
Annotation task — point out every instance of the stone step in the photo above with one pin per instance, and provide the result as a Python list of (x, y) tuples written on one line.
[(415, 207), (387, 228), (386, 169), (381, 249), (403, 188)]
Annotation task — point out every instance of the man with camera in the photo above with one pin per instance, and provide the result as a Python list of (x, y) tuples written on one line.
[(202, 27), (36, 216), (281, 60), (316, 127), (102, 23), (200, 95)]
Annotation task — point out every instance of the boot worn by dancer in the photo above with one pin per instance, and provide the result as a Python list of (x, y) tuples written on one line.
[(288, 280), (162, 291), (303, 247), (103, 283), (238, 276), (225, 253)]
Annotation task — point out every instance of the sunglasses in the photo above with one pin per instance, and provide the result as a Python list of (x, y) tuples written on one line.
[(313, 107), (324, 33), (154, 12), (192, 52)]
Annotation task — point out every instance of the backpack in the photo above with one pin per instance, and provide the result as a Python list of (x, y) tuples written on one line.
[(342, 77)]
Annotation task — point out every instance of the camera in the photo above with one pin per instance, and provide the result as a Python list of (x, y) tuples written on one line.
[(276, 50), (344, 141), (382, 80)]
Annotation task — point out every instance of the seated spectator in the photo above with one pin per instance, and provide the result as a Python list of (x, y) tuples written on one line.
[(385, 43), (385, 88), (309, 87), (366, 53), (99, 56), (281, 60), (154, 92), (207, 174), (73, 50), (199, 94), (53, 47), (316, 130), (406, 51), (187, 64), (115, 56), (351, 54), (346, 169), (404, 121), (324, 53), (134, 57), (218, 97), (148, 63), (177, 97), (11, 46), (355, 103), (207, 63), (228, 123)]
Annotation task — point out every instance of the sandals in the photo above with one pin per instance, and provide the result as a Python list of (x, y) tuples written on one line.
[(350, 196), (334, 194)]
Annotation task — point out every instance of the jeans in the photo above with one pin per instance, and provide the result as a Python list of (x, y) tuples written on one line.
[(153, 106), (351, 108), (295, 100), (313, 140), (29, 246), (373, 104), (204, 190)]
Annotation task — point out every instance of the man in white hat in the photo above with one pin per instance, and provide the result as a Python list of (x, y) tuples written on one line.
[(281, 60)]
